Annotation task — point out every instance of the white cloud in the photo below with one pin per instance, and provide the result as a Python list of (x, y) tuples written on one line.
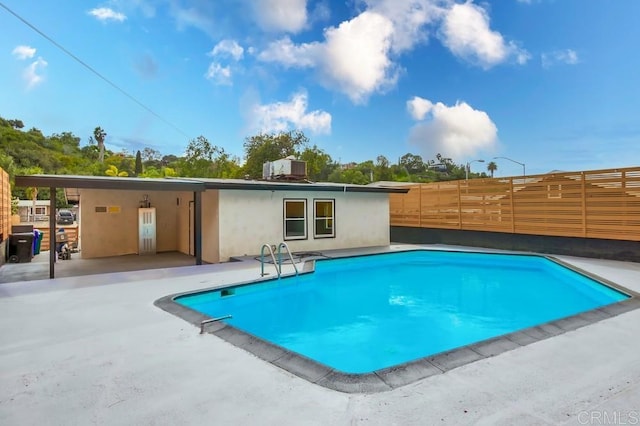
[(218, 74), (106, 14), (410, 19), (229, 48), (24, 52), (454, 131), (465, 31), (419, 107), (359, 56), (31, 73), (567, 56), (354, 57), (283, 116), (286, 53), (281, 15)]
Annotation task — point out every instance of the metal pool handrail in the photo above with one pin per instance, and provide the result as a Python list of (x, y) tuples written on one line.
[(286, 246), (273, 257)]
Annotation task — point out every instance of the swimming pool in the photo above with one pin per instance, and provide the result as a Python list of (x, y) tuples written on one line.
[(362, 315)]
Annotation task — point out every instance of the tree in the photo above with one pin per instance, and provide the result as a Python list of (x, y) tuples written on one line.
[(138, 169), (492, 167), (382, 169), (319, 163), (113, 171), (99, 136), (150, 154), (413, 163), (16, 124), (32, 193), (270, 147), (198, 159)]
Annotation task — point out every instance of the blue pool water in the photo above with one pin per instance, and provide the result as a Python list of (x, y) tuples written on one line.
[(362, 314)]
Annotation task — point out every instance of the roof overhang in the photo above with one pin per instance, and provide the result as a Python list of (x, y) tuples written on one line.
[(108, 182), (188, 184)]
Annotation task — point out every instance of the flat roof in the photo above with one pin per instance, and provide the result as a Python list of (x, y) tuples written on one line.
[(189, 184), (270, 185)]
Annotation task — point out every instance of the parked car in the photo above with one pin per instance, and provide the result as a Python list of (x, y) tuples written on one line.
[(64, 217)]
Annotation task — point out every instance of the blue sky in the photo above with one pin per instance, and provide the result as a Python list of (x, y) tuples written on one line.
[(554, 84)]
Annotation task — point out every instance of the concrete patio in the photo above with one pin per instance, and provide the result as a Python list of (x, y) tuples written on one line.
[(95, 350)]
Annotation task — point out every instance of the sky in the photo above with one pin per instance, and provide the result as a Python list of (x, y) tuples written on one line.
[(552, 84)]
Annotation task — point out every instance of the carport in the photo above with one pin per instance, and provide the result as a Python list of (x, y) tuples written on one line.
[(53, 182)]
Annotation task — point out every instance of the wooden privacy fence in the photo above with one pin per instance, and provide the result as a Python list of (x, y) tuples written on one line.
[(592, 204), (5, 205), (71, 231)]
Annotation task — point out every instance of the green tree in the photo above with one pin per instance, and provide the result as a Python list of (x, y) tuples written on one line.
[(114, 172), (413, 163), (382, 169), (319, 163), (138, 169), (198, 159), (270, 147)]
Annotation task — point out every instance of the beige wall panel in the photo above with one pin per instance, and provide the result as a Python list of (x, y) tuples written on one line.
[(210, 225), (116, 233)]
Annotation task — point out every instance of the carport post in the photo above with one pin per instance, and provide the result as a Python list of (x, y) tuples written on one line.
[(52, 231), (197, 229)]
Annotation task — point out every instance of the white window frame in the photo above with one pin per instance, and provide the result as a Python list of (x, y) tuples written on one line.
[(332, 201), (285, 219)]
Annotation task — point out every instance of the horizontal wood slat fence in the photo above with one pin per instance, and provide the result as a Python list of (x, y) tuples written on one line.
[(592, 204), (5, 205)]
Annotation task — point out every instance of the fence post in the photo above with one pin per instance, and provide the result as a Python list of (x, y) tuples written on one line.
[(420, 205), (513, 207), (459, 206), (584, 205)]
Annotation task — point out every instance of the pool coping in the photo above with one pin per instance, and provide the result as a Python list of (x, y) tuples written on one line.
[(403, 374)]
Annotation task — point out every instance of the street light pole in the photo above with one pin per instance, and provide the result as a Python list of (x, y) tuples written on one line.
[(524, 170), (466, 174)]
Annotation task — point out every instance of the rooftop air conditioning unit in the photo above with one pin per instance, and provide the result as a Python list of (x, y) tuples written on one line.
[(284, 169)]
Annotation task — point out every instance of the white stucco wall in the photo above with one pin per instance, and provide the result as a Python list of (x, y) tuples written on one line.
[(248, 219), (114, 234)]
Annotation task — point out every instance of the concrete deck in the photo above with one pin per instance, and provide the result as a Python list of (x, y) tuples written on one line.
[(96, 350), (38, 268)]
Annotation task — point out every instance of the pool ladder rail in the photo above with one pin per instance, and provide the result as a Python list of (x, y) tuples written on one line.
[(276, 263), (210, 320)]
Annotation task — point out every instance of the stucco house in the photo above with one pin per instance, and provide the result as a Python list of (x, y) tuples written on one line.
[(216, 219), (31, 211)]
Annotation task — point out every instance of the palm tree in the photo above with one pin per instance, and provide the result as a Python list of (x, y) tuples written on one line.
[(32, 193), (99, 135), (492, 167)]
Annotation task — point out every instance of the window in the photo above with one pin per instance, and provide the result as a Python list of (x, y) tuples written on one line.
[(41, 210), (324, 211), (295, 219)]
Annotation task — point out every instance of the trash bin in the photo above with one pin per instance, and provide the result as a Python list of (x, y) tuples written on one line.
[(21, 247), (37, 241)]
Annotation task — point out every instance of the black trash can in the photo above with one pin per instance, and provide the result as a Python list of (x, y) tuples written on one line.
[(21, 247)]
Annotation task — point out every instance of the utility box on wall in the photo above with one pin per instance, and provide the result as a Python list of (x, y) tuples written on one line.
[(147, 230)]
